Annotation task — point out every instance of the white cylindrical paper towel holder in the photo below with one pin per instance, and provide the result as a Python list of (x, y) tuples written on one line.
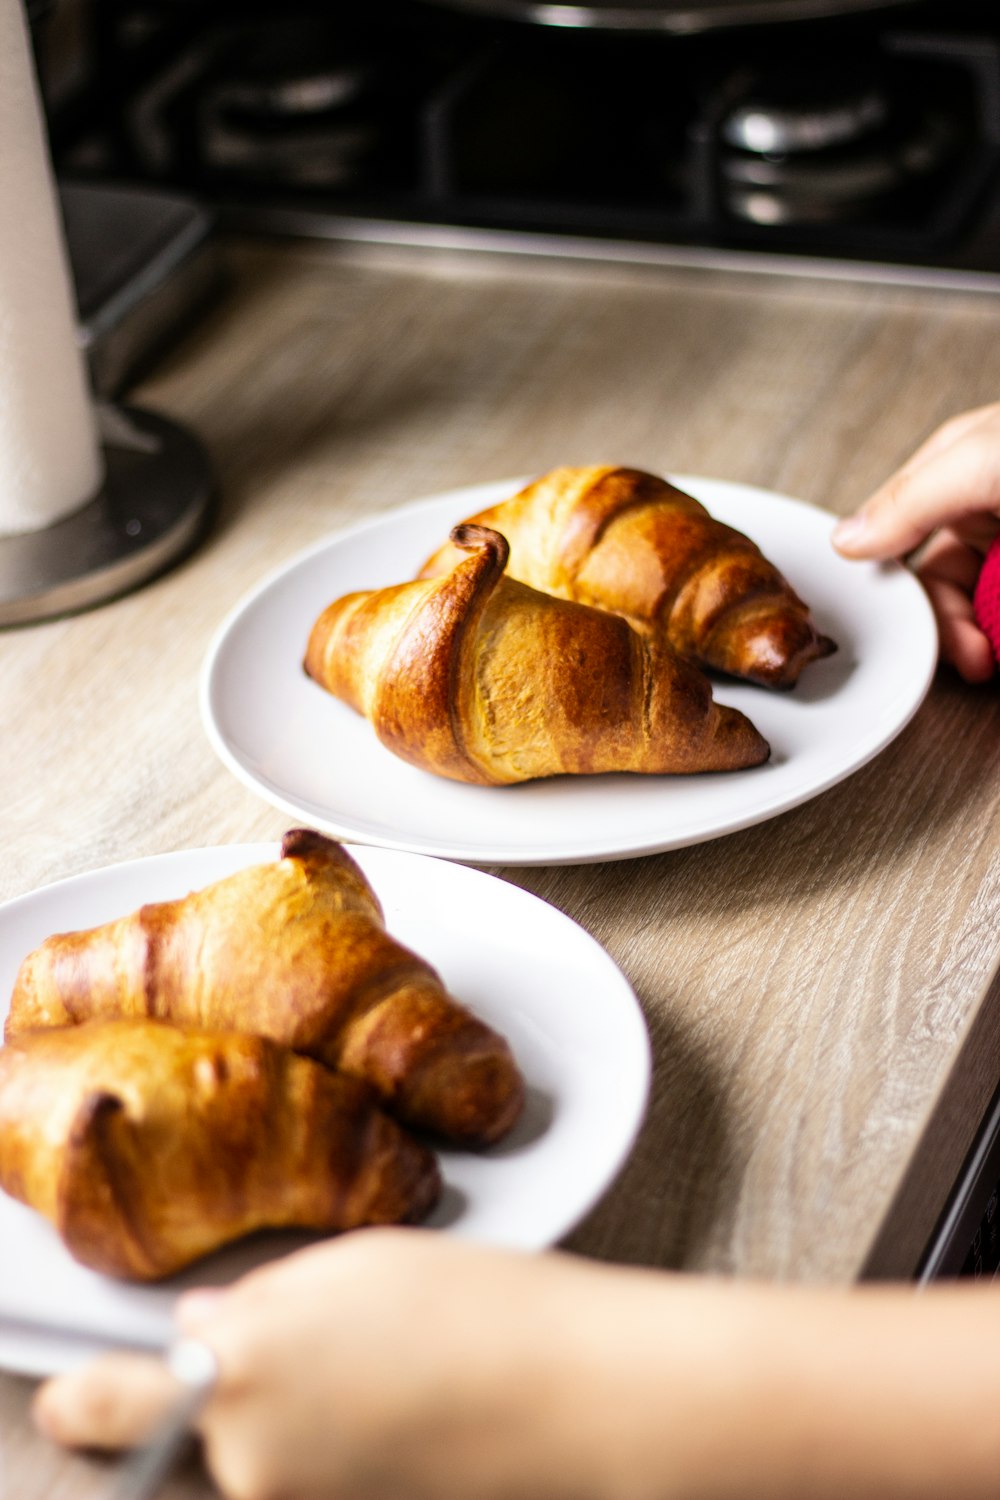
[(93, 501), (50, 458)]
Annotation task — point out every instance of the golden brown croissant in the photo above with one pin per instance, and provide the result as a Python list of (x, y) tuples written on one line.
[(630, 542), (482, 679), (147, 1147), (296, 951)]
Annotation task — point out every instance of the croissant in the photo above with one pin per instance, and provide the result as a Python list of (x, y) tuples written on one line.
[(296, 951), (627, 541), (482, 679), (147, 1147)]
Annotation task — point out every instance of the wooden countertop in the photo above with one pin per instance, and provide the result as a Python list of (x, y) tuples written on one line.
[(819, 989)]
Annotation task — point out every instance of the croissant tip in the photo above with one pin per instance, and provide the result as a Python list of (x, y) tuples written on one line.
[(97, 1107), (472, 537), (818, 648), (428, 1191), (300, 843)]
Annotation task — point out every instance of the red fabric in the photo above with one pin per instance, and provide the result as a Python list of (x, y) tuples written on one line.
[(986, 600)]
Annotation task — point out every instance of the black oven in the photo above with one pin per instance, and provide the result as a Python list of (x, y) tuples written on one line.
[(861, 137)]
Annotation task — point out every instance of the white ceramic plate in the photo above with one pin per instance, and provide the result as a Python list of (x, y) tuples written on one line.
[(566, 1009), (307, 753)]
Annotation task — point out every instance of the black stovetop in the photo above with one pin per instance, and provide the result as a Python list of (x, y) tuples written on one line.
[(873, 138)]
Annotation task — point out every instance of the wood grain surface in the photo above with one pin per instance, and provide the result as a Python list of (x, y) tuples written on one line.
[(818, 988)]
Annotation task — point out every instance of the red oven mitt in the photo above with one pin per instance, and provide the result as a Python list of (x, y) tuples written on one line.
[(986, 599)]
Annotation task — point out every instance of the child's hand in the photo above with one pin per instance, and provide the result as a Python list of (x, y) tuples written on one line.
[(949, 491), (383, 1365), (412, 1365)]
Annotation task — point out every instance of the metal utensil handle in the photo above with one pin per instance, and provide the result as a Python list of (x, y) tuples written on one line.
[(194, 1365)]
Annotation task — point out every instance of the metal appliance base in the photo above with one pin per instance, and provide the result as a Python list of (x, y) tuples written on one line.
[(150, 511)]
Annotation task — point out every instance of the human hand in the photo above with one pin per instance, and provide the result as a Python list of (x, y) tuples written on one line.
[(396, 1363), (949, 491), (411, 1365)]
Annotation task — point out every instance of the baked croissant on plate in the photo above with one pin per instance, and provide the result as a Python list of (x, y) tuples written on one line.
[(627, 541), (147, 1147), (482, 679), (296, 951)]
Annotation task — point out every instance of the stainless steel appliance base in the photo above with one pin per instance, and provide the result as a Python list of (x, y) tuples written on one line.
[(150, 511)]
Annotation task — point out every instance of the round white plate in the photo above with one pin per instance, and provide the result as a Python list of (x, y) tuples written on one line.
[(307, 753), (566, 1009)]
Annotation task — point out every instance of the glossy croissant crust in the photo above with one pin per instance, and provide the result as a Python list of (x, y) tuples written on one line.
[(148, 1147), (627, 541), (295, 950), (482, 679)]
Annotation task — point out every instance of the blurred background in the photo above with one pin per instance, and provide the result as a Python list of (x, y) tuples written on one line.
[(864, 133)]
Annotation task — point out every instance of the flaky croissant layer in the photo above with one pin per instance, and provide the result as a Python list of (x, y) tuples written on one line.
[(147, 1146), (630, 542), (481, 679), (296, 951)]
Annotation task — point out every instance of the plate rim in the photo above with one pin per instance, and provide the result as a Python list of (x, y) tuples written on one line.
[(558, 853)]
